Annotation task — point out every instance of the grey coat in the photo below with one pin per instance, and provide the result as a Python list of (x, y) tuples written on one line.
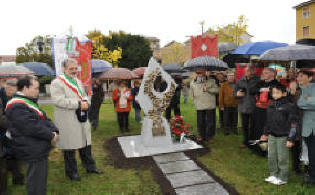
[(308, 107), (73, 134), (247, 103)]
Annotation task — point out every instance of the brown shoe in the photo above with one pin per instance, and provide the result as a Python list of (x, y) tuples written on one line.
[(242, 146), (211, 140)]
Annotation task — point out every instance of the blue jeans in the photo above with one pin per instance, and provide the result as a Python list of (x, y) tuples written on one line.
[(137, 114), (185, 99)]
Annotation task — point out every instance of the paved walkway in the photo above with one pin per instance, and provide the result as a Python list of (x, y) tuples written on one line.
[(45, 101), (186, 177)]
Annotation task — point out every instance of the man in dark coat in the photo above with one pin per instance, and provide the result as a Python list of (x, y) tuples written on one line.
[(31, 134), (246, 101), (263, 98), (175, 101), (96, 102), (12, 164), (135, 104), (3, 161)]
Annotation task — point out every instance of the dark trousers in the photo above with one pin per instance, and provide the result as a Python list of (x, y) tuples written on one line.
[(296, 153), (221, 118), (86, 159), (123, 121), (260, 116), (247, 124), (138, 114), (230, 118), (168, 111), (310, 142), (94, 114), (37, 173), (3, 176), (14, 166), (206, 123)]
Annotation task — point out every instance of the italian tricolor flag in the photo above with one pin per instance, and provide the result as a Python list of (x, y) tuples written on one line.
[(72, 85), (28, 103)]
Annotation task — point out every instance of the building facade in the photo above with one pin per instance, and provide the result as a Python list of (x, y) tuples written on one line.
[(305, 20), (7, 58)]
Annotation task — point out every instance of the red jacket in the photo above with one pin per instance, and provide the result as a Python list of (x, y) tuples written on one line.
[(116, 96)]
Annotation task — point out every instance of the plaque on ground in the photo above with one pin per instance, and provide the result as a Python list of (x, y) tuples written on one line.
[(189, 178), (202, 189), (179, 166), (132, 146), (171, 157)]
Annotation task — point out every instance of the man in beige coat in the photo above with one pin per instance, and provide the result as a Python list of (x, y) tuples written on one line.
[(203, 92), (71, 106)]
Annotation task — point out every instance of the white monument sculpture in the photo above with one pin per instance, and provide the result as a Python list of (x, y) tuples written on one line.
[(155, 130), (155, 135)]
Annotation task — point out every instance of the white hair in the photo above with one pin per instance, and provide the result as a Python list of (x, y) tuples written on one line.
[(67, 61)]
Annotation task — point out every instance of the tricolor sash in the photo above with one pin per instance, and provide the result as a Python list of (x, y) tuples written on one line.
[(71, 85), (28, 103)]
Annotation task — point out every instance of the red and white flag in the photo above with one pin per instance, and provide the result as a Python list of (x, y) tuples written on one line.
[(204, 46)]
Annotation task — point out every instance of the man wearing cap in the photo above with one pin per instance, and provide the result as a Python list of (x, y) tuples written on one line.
[(228, 104), (71, 107), (203, 92)]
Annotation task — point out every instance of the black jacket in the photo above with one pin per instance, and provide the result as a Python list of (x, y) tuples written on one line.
[(31, 135), (247, 103), (282, 115), (263, 84), (4, 98), (134, 93)]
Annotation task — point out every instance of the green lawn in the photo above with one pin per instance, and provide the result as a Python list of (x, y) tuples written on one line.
[(242, 169)]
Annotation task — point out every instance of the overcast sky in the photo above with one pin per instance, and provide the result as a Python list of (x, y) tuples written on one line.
[(166, 19)]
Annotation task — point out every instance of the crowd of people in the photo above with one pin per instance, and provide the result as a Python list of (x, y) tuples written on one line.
[(278, 111)]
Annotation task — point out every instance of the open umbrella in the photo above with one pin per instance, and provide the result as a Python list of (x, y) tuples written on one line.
[(226, 47), (310, 42), (231, 59), (257, 48), (100, 65), (205, 62), (172, 68), (139, 71), (289, 53), (12, 70), (118, 73), (40, 68), (305, 64)]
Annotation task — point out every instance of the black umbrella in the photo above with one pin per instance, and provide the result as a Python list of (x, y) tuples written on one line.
[(231, 59), (172, 68), (305, 64), (205, 62), (310, 42)]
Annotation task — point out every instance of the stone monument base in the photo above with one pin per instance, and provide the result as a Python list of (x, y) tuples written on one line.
[(132, 146), (149, 140)]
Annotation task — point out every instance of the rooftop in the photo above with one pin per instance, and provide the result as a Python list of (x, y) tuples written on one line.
[(304, 4)]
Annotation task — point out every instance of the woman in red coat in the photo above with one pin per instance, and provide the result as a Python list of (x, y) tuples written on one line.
[(122, 98)]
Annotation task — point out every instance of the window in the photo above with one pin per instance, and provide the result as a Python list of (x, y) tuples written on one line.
[(306, 31), (306, 12)]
